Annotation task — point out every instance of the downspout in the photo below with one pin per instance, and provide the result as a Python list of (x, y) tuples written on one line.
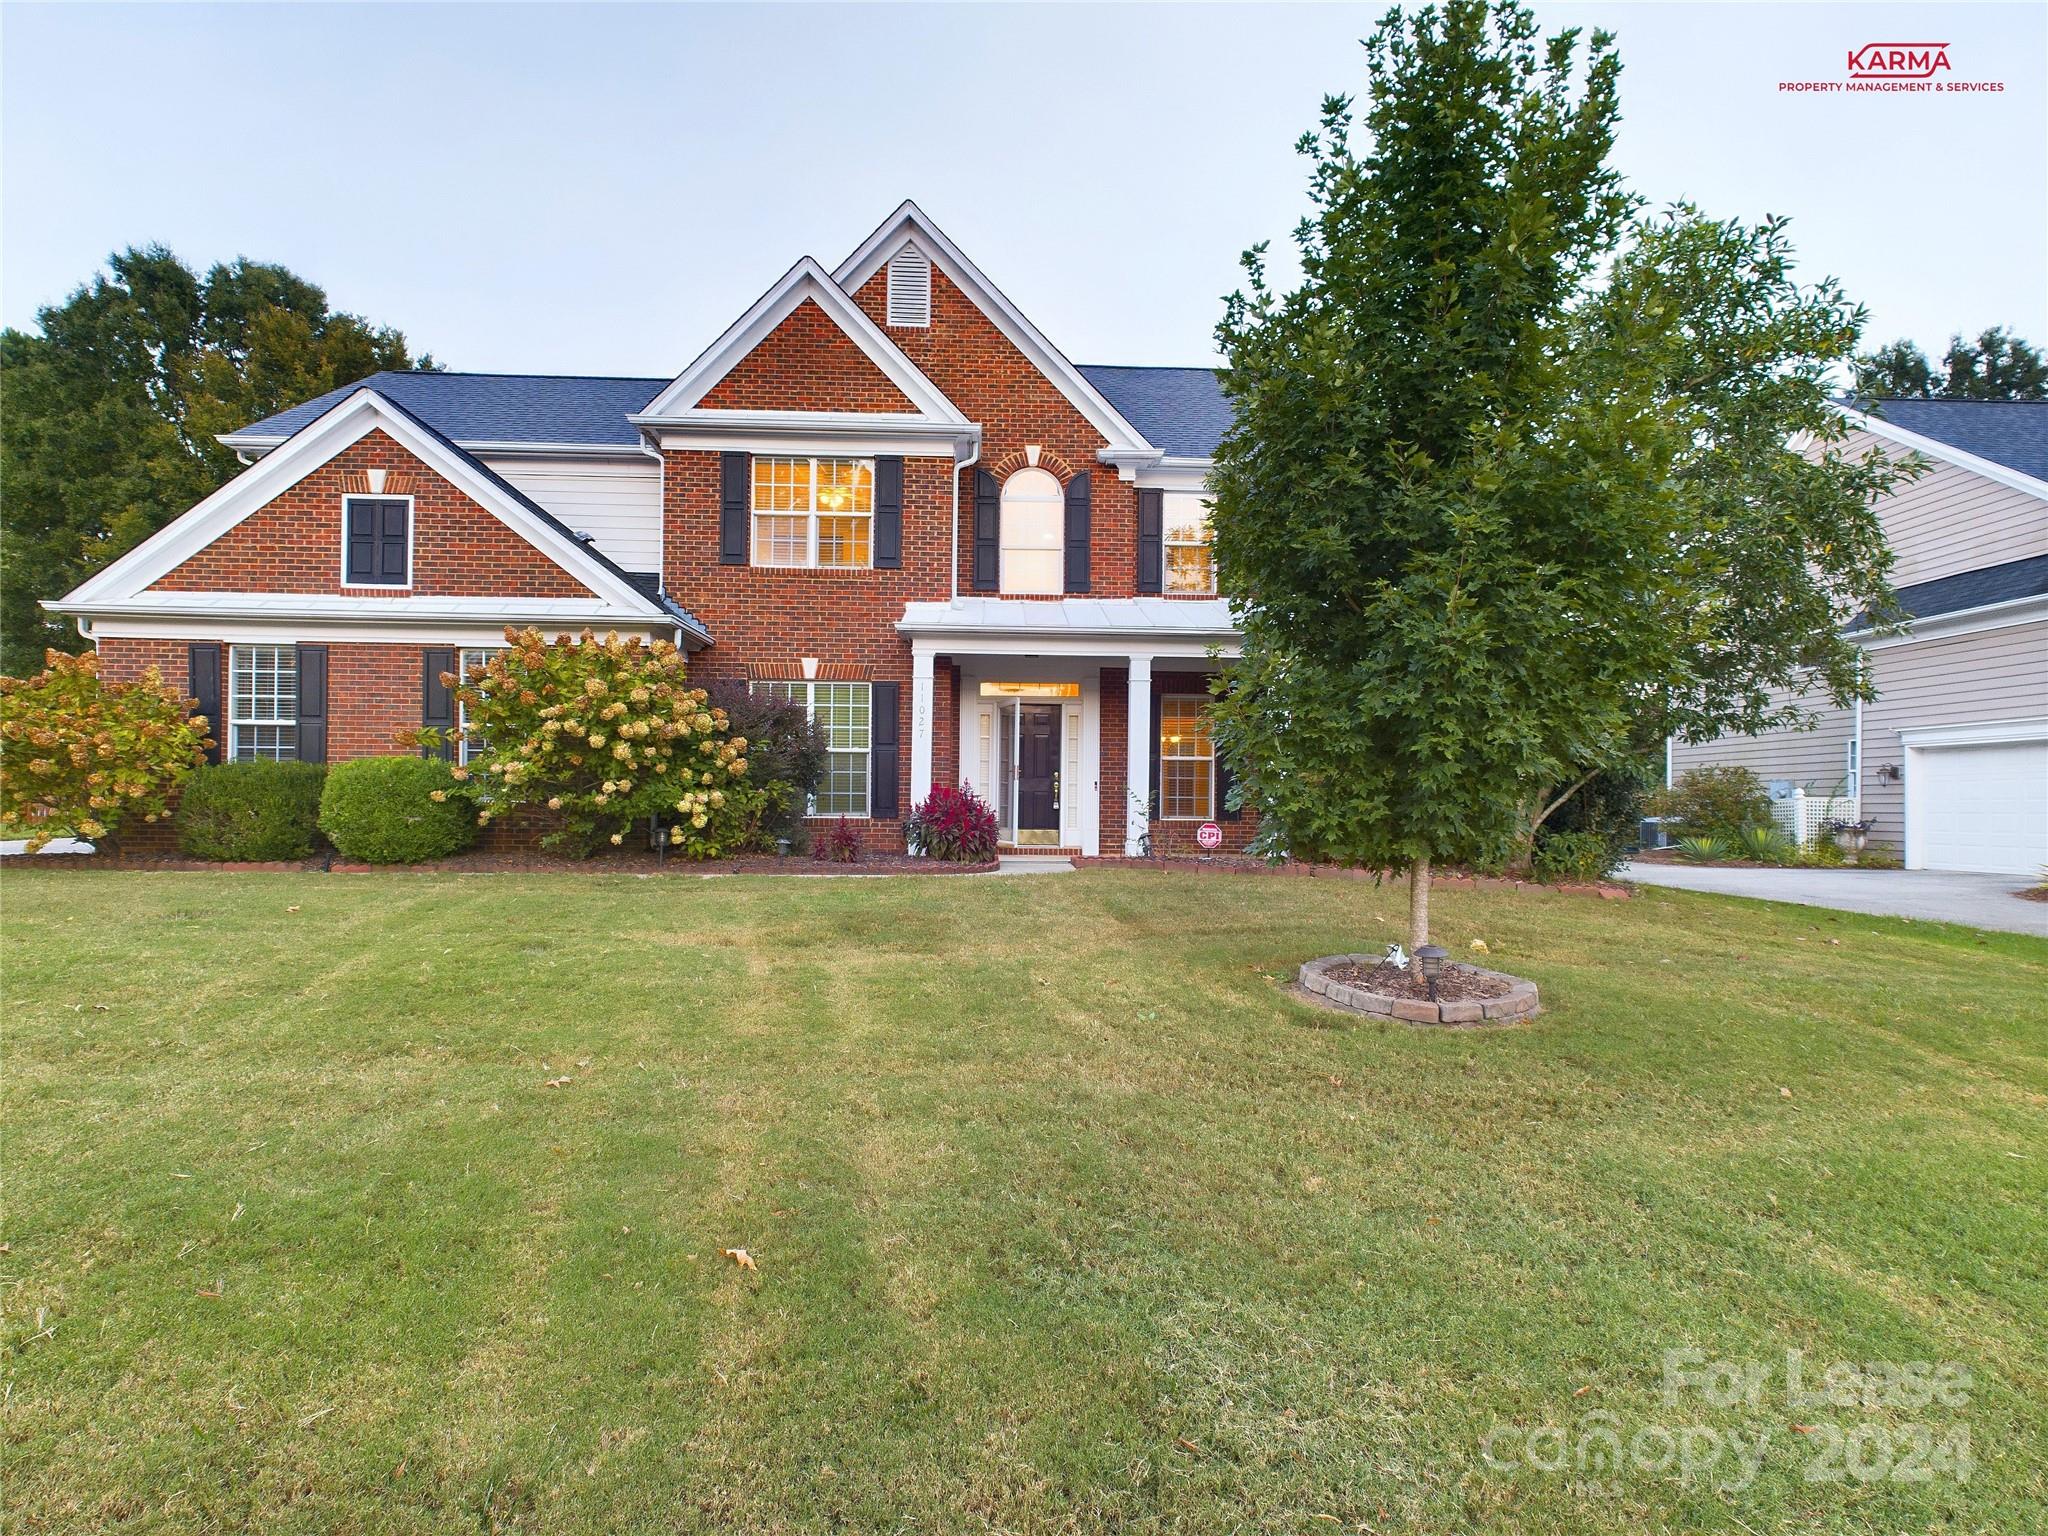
[(1856, 789), (960, 468)]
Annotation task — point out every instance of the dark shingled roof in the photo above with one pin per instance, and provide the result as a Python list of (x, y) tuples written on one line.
[(2012, 433), (1181, 411), (1973, 589), (496, 407)]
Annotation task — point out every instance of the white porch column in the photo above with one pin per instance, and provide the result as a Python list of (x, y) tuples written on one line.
[(1138, 756), (920, 725)]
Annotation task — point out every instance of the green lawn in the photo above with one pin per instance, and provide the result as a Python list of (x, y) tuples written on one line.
[(1067, 1216)]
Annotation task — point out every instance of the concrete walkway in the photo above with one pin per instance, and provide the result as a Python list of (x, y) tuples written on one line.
[(1981, 901)]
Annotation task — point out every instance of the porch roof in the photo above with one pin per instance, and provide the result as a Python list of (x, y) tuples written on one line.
[(1128, 622)]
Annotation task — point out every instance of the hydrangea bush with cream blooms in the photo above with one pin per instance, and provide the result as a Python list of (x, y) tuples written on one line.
[(604, 733), (79, 754)]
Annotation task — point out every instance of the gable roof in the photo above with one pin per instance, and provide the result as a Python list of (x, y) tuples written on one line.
[(2012, 433), (2007, 583), (1182, 411), (908, 225), (347, 422), (806, 282), (483, 409)]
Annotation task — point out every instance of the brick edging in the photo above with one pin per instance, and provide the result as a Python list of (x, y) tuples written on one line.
[(1519, 1002)]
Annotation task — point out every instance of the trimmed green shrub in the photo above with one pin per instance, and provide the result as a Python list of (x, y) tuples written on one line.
[(394, 810), (1715, 802), (1576, 856), (254, 811)]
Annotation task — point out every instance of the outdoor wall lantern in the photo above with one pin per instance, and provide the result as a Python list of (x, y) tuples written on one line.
[(1432, 957)]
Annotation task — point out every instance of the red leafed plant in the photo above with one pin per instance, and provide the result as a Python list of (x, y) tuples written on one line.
[(953, 824), (839, 844)]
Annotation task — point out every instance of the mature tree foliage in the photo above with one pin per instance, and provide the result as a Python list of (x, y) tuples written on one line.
[(1486, 518), (111, 411), (1996, 366)]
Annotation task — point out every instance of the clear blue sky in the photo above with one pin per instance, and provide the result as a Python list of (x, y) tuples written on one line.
[(603, 189)]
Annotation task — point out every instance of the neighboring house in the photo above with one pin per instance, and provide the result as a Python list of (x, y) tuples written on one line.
[(881, 491), (1949, 763)]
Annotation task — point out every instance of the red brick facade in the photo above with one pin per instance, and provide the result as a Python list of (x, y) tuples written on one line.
[(806, 364), (981, 371), (294, 543)]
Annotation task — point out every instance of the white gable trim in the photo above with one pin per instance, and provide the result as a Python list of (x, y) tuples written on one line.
[(1933, 448), (320, 441), (805, 280), (909, 224)]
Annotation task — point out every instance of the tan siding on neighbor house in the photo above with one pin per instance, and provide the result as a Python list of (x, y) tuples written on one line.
[(1995, 675), (1815, 758), (1952, 520)]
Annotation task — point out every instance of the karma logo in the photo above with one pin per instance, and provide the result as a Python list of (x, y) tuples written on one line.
[(1897, 61)]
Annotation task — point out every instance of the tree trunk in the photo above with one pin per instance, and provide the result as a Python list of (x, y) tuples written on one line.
[(1418, 910)]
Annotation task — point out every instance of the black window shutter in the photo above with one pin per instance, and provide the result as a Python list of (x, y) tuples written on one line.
[(437, 700), (988, 527), (735, 489), (1080, 493), (1151, 545), (1158, 800), (889, 513), (883, 738), (392, 544), (361, 535), (312, 703), (202, 661)]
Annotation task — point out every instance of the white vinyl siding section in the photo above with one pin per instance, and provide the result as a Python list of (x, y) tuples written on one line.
[(617, 504), (1814, 759), (1952, 520)]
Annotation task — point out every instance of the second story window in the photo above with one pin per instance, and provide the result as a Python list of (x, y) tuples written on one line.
[(814, 512), (1190, 562), (1033, 524), (376, 541)]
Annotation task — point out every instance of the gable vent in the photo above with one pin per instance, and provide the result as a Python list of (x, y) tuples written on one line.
[(910, 288)]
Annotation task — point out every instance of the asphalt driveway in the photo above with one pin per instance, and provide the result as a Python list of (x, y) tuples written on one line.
[(1983, 901)]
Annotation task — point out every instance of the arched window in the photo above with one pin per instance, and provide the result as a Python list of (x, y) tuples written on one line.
[(1034, 528)]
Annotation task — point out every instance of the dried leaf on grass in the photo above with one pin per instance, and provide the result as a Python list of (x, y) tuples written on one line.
[(741, 1257)]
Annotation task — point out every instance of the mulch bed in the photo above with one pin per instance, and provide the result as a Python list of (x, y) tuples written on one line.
[(1457, 984), (520, 862)]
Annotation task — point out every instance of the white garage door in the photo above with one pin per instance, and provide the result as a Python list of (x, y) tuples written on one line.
[(1980, 807)]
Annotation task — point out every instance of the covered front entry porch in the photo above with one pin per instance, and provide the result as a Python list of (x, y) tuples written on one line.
[(1054, 727)]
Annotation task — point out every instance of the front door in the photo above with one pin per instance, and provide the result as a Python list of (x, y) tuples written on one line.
[(1038, 775)]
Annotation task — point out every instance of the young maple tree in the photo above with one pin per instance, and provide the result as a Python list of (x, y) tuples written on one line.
[(1488, 502)]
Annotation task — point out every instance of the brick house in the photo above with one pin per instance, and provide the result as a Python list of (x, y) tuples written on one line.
[(882, 490)]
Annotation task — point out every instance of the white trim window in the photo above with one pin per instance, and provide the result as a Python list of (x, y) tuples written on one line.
[(263, 703), (376, 541), (466, 746), (814, 512), (845, 712), (1190, 561), (1187, 759), (1033, 526), (1852, 768)]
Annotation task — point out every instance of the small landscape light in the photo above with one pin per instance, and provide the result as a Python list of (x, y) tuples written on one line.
[(1432, 957)]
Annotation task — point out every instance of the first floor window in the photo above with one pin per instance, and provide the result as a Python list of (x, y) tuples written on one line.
[(1852, 769), (471, 745), (814, 512), (263, 703), (1190, 562), (842, 710), (1187, 759)]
